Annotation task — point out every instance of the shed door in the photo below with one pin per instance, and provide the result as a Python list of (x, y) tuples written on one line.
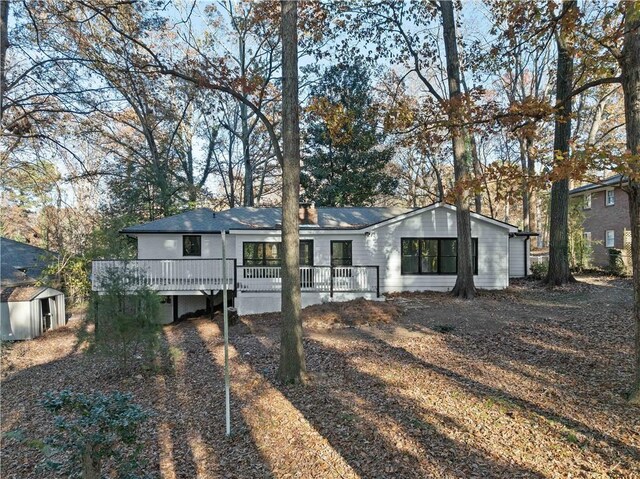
[(53, 307)]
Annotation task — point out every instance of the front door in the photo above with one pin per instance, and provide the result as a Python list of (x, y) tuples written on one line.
[(53, 308)]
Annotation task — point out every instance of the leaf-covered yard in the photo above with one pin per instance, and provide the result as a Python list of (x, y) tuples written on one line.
[(523, 383)]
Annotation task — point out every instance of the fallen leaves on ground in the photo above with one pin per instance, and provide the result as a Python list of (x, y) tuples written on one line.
[(351, 313), (529, 382)]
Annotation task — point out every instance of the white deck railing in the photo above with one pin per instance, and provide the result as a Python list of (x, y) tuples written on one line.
[(165, 274), (312, 279)]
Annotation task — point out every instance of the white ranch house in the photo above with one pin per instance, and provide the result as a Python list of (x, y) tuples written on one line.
[(345, 253)]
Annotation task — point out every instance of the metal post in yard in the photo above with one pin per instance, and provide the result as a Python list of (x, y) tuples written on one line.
[(226, 332), (331, 282)]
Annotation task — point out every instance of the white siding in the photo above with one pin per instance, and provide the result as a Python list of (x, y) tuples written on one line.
[(169, 246), (190, 304), (321, 246), (517, 266), (380, 246), (242, 238), (166, 312), (258, 303), (383, 247)]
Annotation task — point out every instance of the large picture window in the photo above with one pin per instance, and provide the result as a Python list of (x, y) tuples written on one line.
[(192, 245), (270, 253), (433, 255), (261, 253)]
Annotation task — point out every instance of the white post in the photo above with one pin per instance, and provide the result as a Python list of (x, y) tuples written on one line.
[(226, 332)]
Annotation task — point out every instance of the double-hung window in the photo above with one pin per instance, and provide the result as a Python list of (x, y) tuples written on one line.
[(610, 198), (433, 256), (610, 239), (586, 204)]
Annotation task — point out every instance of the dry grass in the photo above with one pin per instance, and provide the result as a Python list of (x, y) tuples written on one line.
[(523, 383)]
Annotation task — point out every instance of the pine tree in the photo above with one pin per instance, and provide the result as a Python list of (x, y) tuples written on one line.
[(346, 157)]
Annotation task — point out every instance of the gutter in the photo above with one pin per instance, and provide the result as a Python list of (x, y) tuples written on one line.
[(526, 256), (165, 232), (527, 236)]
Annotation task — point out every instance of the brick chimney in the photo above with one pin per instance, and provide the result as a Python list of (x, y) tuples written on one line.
[(307, 214)]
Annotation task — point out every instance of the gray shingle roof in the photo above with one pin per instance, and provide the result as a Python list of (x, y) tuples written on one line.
[(612, 180), (22, 263), (205, 220)]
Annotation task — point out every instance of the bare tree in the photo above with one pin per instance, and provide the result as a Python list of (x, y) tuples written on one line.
[(4, 46)]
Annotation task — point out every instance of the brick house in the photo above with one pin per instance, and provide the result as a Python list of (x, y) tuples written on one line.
[(606, 211)]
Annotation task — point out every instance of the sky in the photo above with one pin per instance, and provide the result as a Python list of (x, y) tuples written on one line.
[(474, 18)]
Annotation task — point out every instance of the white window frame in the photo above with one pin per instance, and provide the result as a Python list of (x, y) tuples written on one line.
[(587, 236), (587, 201), (611, 244), (613, 197)]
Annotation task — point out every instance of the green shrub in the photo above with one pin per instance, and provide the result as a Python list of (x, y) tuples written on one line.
[(539, 270), (616, 262), (92, 428), (96, 435), (126, 320)]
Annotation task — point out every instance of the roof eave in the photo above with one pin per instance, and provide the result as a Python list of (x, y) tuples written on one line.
[(524, 233), (182, 232), (479, 217)]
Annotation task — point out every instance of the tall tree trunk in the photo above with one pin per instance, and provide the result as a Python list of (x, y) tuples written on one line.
[(464, 287), (559, 272), (631, 90), (244, 121), (507, 208), (439, 183), (477, 166), (292, 365), (597, 121), (4, 46), (531, 164), (526, 203), (246, 157), (477, 172), (489, 202)]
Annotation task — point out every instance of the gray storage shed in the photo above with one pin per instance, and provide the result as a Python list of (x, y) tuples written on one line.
[(26, 312)]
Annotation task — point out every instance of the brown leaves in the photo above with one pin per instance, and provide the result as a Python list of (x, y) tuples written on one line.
[(526, 382), (530, 108)]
